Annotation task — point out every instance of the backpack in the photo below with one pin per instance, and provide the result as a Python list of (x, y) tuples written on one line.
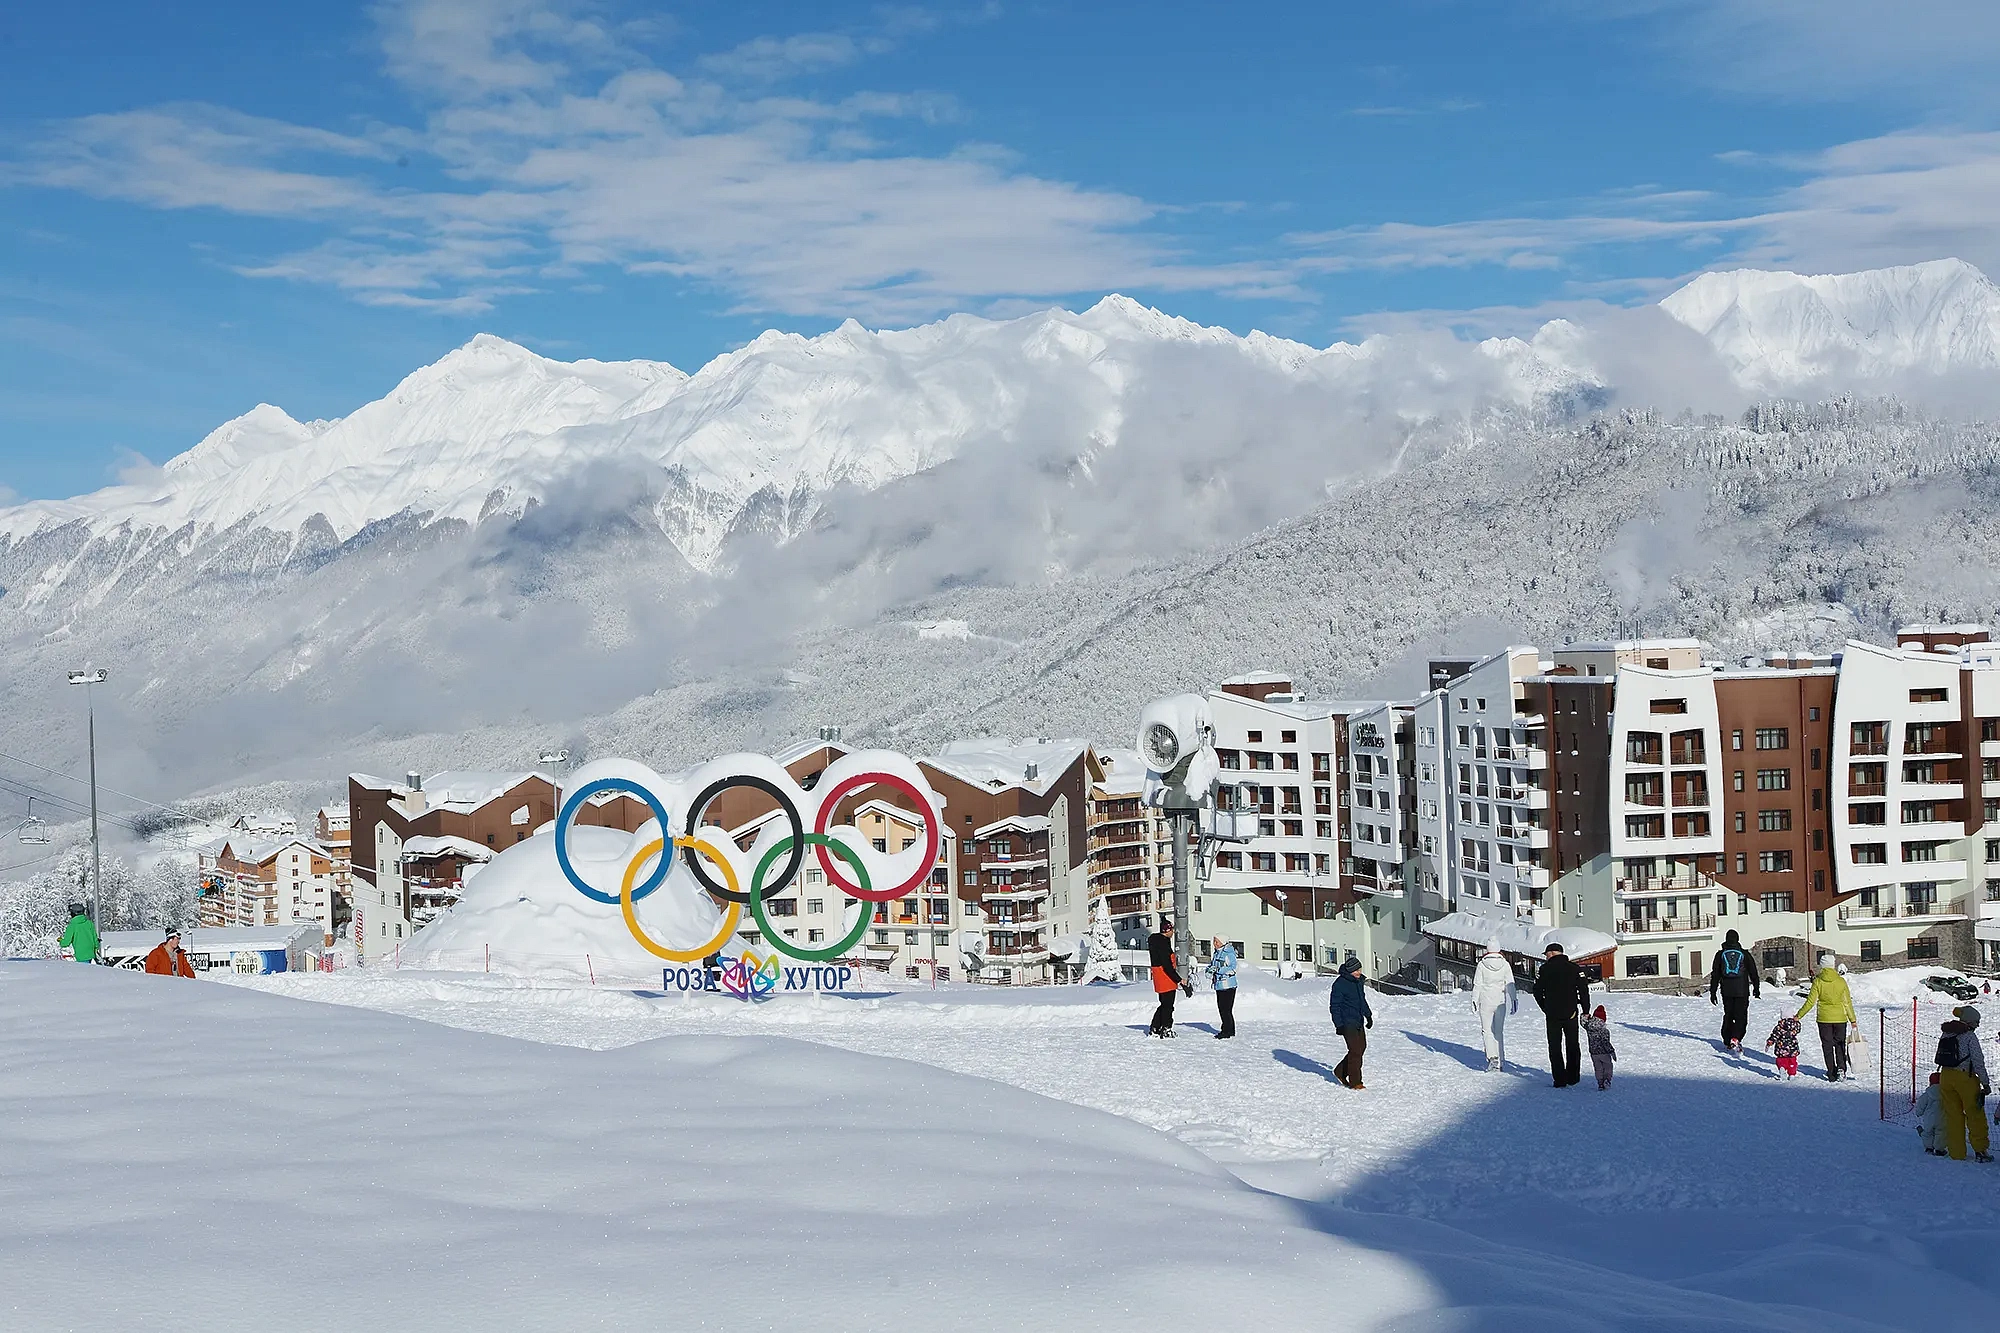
[(1732, 962), (1949, 1053)]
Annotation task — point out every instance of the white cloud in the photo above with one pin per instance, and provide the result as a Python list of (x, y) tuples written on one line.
[(1892, 199), (1934, 53), (559, 146)]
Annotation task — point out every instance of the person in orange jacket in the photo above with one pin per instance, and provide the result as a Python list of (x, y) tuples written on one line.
[(1166, 977), (168, 959)]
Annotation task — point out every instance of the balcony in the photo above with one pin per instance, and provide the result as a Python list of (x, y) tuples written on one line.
[(1869, 747), (1655, 799), (1690, 756), (1537, 798), (1659, 884), (1665, 925), (1649, 756), (1958, 909), (1023, 921), (1943, 872), (1375, 888), (1131, 836), (1867, 788), (1534, 756), (1016, 893), (1937, 747), (1018, 956)]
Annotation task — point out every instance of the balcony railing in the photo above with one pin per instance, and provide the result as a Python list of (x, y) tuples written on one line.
[(1645, 798), (1867, 788), (1869, 747), (1907, 911), (1688, 755), (1665, 925), (1642, 757), (1697, 883), (1935, 745)]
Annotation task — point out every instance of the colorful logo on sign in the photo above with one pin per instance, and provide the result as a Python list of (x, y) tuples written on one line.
[(679, 836)]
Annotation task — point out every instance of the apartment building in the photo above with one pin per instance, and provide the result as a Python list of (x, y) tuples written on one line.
[(333, 830), (1131, 849), (252, 880), (1017, 813), (412, 842)]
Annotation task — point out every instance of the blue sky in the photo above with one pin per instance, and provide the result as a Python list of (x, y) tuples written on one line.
[(300, 204)]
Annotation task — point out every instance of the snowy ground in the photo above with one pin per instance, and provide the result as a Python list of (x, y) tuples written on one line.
[(1699, 1191)]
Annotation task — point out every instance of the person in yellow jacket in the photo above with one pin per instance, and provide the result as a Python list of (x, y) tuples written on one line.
[(1962, 1085), (1829, 995)]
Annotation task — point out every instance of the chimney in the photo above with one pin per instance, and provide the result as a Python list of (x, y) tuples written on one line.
[(413, 780), (1034, 771), (830, 735)]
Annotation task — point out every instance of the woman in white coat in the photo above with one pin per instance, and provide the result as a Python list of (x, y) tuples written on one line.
[(1493, 998)]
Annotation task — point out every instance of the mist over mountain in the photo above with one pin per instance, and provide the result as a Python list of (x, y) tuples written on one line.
[(1028, 525)]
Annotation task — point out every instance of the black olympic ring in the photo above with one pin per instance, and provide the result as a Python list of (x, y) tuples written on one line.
[(776, 793)]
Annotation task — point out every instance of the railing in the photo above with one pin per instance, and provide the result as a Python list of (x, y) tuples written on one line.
[(1661, 884), (1642, 757), (1867, 788), (1645, 798), (1869, 747), (1935, 745), (1685, 755), (1665, 925), (1906, 911)]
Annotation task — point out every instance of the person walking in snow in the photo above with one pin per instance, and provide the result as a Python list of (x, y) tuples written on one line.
[(1930, 1118), (1734, 978), (1597, 1031), (168, 959), (1494, 997), (1835, 1005), (1783, 1044), (79, 937), (1962, 1085), (1347, 1006), (1563, 992), (1166, 976), (1222, 977)]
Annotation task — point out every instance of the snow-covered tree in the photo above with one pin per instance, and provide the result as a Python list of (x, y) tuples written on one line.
[(1101, 950)]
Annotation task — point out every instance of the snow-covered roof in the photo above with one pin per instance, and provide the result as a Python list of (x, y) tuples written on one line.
[(995, 762), (1014, 824), (1259, 678), (798, 750), (448, 844), (466, 790), (216, 939), (1124, 772), (1514, 935), (255, 849)]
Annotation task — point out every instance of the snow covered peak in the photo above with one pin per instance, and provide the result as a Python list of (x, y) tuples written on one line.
[(1775, 329), (262, 430)]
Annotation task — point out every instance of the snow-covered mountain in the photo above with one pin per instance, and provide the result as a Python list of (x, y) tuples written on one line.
[(755, 437), (1778, 331)]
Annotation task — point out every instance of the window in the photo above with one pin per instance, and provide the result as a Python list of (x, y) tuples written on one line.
[(1774, 862), (1735, 740), (784, 906), (1288, 738), (1289, 761), (1774, 779), (1229, 860), (1933, 696), (1919, 812), (1739, 821), (1920, 851), (967, 847), (1773, 738), (1229, 759), (1263, 860), (1777, 955), (1922, 948), (1773, 821), (1871, 951), (1870, 813), (1256, 738), (909, 937), (1270, 953), (1993, 849), (880, 844), (1871, 854), (1668, 706), (1775, 902), (1812, 714), (1643, 965), (1737, 782), (971, 879)]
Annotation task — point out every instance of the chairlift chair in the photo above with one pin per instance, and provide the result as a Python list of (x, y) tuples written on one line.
[(33, 829)]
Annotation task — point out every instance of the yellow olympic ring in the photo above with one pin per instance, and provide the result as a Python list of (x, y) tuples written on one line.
[(729, 918)]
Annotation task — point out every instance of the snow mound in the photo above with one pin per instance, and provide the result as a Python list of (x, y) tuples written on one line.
[(521, 917)]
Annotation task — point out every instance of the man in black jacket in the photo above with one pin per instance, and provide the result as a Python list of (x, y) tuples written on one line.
[(1562, 990), (1734, 977), (1166, 976)]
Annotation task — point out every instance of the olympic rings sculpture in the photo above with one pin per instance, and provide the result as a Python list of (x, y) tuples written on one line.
[(677, 837)]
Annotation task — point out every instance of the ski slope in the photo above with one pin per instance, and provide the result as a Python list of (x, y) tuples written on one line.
[(552, 1155)]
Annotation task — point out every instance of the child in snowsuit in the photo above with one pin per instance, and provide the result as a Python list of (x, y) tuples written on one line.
[(1930, 1120), (1602, 1056), (1784, 1044)]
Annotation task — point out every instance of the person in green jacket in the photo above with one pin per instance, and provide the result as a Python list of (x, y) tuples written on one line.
[(79, 936), (1829, 994)]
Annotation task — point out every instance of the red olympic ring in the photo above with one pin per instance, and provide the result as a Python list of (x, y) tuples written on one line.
[(831, 799)]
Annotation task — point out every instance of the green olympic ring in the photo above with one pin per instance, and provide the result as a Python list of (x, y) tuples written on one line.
[(832, 951)]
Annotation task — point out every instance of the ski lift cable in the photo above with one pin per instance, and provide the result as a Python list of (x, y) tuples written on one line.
[(19, 788), (86, 782), (20, 865)]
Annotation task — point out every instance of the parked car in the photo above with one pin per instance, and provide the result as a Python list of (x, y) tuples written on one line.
[(1957, 987)]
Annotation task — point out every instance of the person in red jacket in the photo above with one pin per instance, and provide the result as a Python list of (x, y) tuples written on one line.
[(168, 959)]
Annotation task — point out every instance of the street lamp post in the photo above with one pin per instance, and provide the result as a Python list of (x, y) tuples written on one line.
[(1284, 937), (88, 678), (559, 761)]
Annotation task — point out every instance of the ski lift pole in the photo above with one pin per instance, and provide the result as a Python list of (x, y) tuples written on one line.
[(89, 678)]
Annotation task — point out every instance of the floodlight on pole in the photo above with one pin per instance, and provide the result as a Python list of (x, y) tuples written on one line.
[(88, 677)]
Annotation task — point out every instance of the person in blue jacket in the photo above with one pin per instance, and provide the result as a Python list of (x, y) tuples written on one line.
[(1222, 977), (1347, 1005)]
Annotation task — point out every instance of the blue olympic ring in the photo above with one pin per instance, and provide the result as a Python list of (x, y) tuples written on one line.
[(585, 792)]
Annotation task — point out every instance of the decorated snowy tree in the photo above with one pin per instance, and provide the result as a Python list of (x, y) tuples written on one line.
[(1101, 957)]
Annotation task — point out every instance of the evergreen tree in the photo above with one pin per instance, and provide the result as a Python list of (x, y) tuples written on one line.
[(1101, 951)]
